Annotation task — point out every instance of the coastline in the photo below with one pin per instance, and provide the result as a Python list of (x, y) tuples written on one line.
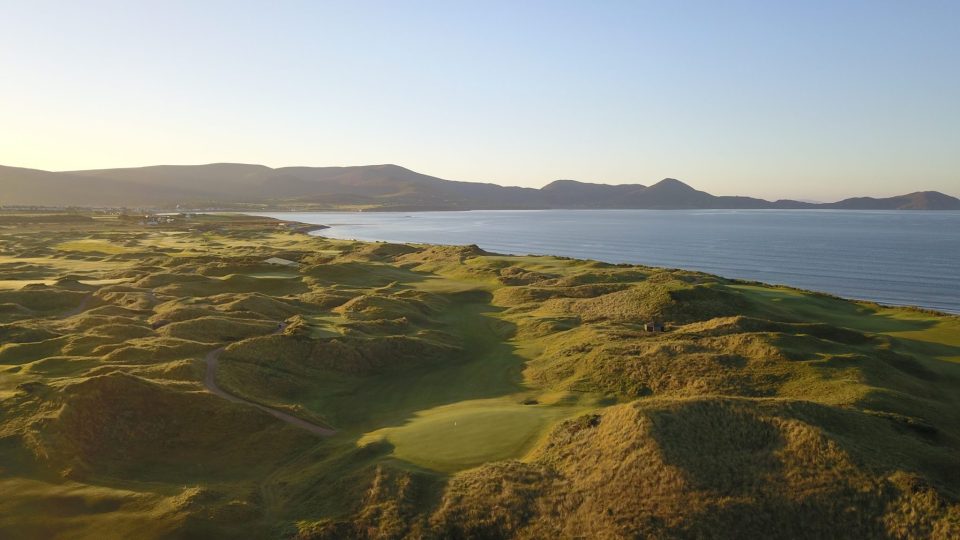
[(883, 286)]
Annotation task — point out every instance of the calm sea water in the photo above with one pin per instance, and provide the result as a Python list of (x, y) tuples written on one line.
[(909, 258)]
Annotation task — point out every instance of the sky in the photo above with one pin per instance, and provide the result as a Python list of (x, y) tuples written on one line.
[(814, 100)]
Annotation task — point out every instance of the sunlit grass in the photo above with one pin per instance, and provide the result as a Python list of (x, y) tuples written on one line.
[(92, 245), (473, 395)]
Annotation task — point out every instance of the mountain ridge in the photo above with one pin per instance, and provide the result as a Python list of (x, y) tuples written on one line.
[(380, 187)]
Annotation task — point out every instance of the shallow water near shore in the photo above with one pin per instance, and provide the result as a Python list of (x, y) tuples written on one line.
[(890, 257)]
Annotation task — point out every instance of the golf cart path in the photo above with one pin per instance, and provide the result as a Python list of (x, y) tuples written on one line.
[(212, 361)]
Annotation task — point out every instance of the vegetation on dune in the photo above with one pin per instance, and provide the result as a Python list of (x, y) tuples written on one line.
[(704, 467), (672, 301), (42, 299), (215, 329), (261, 304), (473, 395), (159, 432), (92, 245)]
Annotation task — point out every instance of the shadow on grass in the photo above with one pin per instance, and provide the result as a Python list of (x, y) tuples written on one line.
[(782, 304), (737, 459), (488, 368), (940, 351), (721, 445), (483, 365), (361, 274)]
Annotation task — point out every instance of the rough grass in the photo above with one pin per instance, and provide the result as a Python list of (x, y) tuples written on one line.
[(216, 329), (92, 246), (698, 469), (156, 432), (474, 395), (43, 299)]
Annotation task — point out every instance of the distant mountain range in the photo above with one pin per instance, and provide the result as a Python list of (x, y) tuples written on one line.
[(375, 187)]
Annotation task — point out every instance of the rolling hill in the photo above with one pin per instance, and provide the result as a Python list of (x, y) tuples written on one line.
[(376, 187), (175, 381)]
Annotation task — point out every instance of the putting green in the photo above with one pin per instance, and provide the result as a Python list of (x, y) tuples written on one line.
[(470, 433)]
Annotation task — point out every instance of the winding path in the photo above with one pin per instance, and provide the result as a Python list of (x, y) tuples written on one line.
[(79, 309), (210, 378), (210, 381)]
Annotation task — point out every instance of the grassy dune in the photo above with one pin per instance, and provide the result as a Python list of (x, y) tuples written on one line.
[(473, 395)]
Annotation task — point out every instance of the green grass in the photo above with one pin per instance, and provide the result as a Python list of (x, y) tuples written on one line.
[(16, 284), (454, 437), (474, 395), (93, 245), (322, 326), (488, 368), (923, 333), (36, 509), (810, 307)]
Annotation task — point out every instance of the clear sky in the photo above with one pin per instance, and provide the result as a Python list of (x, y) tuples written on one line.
[(814, 99)]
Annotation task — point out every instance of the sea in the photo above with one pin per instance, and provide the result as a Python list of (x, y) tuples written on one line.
[(890, 257)]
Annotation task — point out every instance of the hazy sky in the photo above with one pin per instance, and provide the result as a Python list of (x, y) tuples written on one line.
[(814, 100)]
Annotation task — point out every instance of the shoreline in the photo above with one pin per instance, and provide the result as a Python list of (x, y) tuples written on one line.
[(746, 280)]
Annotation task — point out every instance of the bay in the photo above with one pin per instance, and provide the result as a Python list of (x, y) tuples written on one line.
[(890, 257)]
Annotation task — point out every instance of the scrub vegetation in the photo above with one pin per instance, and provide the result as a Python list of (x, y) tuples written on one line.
[(469, 394)]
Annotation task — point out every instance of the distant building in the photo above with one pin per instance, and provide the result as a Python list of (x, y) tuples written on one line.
[(655, 327)]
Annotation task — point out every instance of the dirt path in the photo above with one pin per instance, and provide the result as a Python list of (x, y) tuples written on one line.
[(210, 381)]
